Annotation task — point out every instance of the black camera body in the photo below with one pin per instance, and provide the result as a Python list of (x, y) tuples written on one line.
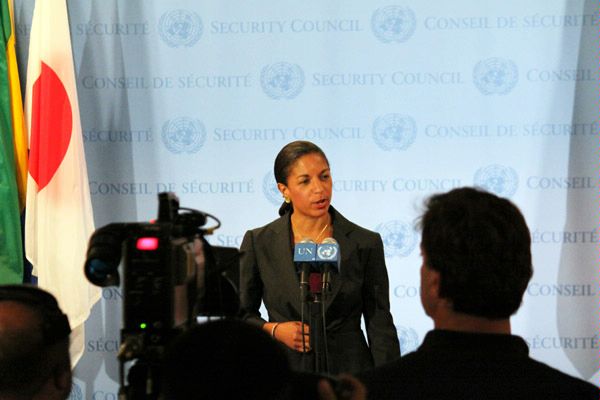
[(171, 276), (159, 266)]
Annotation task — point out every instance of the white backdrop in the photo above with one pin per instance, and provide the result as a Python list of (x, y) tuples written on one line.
[(406, 99)]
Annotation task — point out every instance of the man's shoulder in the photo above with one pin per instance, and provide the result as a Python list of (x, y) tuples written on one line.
[(397, 369), (389, 381), (437, 375), (562, 382)]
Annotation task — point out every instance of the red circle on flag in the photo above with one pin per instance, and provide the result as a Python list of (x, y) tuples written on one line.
[(51, 126)]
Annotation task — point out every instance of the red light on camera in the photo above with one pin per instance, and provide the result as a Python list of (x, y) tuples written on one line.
[(147, 243)]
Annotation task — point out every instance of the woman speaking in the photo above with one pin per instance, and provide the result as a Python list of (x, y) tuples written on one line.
[(360, 287)]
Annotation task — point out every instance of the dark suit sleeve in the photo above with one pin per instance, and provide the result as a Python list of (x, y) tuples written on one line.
[(251, 286), (381, 332)]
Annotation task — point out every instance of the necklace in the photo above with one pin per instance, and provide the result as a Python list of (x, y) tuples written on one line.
[(318, 236), (321, 233)]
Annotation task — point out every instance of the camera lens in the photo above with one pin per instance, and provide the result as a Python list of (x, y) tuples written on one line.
[(101, 273)]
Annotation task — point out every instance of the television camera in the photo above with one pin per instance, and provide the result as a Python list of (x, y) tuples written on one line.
[(172, 275)]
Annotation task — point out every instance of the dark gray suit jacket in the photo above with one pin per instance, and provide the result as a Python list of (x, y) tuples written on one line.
[(361, 288)]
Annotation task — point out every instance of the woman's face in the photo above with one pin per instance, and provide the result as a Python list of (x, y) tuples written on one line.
[(309, 186)]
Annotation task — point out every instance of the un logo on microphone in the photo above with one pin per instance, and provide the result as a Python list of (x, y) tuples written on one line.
[(183, 135), (408, 338), (495, 76), (327, 251), (180, 28), (399, 238), (270, 189), (282, 80), (393, 24), (498, 179), (394, 131)]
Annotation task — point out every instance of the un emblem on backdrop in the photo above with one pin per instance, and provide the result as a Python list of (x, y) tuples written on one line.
[(183, 135), (393, 24), (408, 338), (270, 189), (76, 392), (180, 28), (498, 179), (282, 80), (394, 131), (399, 239), (495, 76)]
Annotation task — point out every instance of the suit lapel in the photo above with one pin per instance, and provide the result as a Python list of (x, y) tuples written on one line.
[(341, 231), (282, 264)]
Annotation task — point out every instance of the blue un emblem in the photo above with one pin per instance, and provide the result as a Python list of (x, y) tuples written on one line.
[(495, 76), (399, 238), (180, 28), (183, 135), (76, 392), (393, 24), (282, 80), (498, 179), (270, 189), (394, 131), (408, 338)]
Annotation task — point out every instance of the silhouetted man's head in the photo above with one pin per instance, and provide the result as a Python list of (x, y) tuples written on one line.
[(225, 359), (480, 246), (34, 345)]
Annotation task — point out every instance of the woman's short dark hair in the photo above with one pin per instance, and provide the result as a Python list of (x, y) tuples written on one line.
[(286, 158), (481, 246)]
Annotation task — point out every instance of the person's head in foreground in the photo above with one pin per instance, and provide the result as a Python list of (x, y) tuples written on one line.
[(476, 259), (225, 359), (34, 345)]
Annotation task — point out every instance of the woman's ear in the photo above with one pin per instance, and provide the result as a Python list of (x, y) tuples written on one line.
[(284, 190)]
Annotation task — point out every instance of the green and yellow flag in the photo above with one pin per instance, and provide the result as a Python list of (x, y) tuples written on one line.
[(13, 154)]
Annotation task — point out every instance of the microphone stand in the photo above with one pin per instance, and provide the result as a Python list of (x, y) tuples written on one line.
[(325, 289), (316, 333), (327, 253), (318, 329), (313, 289), (304, 298)]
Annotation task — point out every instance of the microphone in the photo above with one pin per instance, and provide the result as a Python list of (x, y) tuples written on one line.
[(305, 254), (328, 255)]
